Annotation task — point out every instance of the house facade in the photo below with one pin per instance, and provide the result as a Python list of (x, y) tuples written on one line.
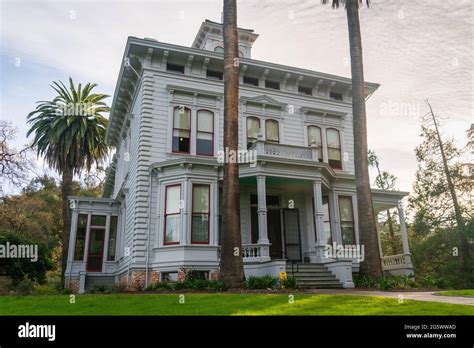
[(160, 213)]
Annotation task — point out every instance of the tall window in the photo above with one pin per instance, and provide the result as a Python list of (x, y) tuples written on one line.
[(201, 214), (181, 129), (272, 132), (205, 133), (253, 128), (112, 238), (347, 220), (314, 139), (172, 214), (80, 237), (334, 148)]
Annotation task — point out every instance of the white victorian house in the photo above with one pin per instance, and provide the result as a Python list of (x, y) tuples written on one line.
[(161, 207)]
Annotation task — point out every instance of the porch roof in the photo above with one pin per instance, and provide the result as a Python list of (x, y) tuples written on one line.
[(383, 199)]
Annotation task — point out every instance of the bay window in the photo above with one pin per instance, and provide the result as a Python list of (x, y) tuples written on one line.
[(205, 133), (272, 131), (314, 139), (112, 238), (181, 129), (172, 214), (346, 212), (334, 148), (200, 214)]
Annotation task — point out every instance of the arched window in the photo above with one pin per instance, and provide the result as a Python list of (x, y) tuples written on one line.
[(253, 128), (272, 131), (205, 133), (314, 139), (181, 129), (334, 148), (219, 49)]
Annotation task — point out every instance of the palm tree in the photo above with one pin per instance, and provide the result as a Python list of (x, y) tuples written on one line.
[(69, 132), (367, 226), (231, 263)]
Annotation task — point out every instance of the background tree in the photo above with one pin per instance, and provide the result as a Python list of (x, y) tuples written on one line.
[(367, 225), (231, 262), (14, 164), (69, 132), (386, 181), (437, 214)]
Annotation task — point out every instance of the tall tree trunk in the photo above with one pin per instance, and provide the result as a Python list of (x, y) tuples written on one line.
[(393, 242), (66, 190), (457, 209), (231, 262), (372, 264)]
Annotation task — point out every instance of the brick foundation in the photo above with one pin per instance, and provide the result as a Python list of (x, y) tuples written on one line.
[(135, 281), (214, 275), (73, 284)]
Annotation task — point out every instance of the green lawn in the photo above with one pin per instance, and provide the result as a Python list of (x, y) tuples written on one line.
[(465, 293), (222, 304)]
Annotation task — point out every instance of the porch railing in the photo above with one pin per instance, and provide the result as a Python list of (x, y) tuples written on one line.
[(285, 151), (251, 252), (396, 261)]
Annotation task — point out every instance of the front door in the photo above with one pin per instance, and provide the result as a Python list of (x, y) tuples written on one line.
[(96, 250), (274, 233), (292, 234)]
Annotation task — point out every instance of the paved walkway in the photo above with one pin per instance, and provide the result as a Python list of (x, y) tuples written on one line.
[(407, 295)]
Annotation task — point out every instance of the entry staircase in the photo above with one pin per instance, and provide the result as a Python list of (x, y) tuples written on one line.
[(312, 276)]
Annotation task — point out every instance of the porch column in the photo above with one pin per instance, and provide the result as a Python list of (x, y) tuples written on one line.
[(403, 231), (262, 219), (318, 255)]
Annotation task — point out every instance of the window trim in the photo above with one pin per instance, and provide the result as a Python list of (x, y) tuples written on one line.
[(321, 160), (340, 147), (182, 129), (198, 131), (247, 130), (116, 239), (166, 215), (266, 132), (85, 237), (208, 213), (345, 221)]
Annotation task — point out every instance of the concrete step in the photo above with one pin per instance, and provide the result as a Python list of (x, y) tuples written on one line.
[(316, 279), (315, 276)]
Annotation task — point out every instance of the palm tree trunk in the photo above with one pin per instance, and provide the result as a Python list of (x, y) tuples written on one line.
[(367, 228), (231, 263), (66, 190)]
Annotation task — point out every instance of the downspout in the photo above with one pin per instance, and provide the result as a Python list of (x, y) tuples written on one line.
[(149, 227)]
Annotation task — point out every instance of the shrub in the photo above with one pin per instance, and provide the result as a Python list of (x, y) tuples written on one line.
[(17, 269), (159, 286), (385, 282), (289, 283), (45, 289), (24, 286), (262, 282), (103, 289)]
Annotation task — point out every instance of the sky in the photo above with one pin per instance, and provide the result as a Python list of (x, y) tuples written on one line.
[(416, 50)]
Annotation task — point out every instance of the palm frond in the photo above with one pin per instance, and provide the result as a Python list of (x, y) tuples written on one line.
[(68, 141)]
